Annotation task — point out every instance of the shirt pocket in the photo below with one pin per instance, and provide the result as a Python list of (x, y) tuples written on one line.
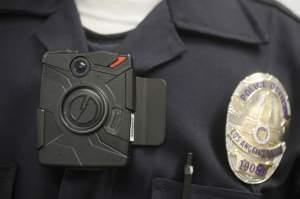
[(170, 189)]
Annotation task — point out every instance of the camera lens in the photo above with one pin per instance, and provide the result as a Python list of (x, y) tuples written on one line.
[(80, 67)]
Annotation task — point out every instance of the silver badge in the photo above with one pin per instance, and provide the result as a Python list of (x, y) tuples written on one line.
[(258, 115)]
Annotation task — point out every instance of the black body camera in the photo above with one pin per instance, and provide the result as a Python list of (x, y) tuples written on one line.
[(93, 108)]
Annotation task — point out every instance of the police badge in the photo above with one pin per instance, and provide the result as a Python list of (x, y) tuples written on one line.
[(258, 116)]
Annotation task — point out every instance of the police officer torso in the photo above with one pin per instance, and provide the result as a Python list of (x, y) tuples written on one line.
[(201, 49)]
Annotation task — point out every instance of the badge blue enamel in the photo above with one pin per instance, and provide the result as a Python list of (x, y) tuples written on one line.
[(257, 118)]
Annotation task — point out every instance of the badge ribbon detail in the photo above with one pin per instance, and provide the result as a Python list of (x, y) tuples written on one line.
[(257, 118)]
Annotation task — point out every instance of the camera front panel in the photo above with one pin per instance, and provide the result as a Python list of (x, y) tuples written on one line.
[(86, 101)]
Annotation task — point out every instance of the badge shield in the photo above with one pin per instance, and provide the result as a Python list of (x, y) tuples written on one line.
[(257, 118)]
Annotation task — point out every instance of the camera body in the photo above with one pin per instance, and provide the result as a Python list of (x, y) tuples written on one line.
[(93, 108)]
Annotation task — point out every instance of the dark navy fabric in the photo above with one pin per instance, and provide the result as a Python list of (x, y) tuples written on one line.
[(202, 48), (98, 42)]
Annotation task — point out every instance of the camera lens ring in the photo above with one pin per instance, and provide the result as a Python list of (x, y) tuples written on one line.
[(80, 66)]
